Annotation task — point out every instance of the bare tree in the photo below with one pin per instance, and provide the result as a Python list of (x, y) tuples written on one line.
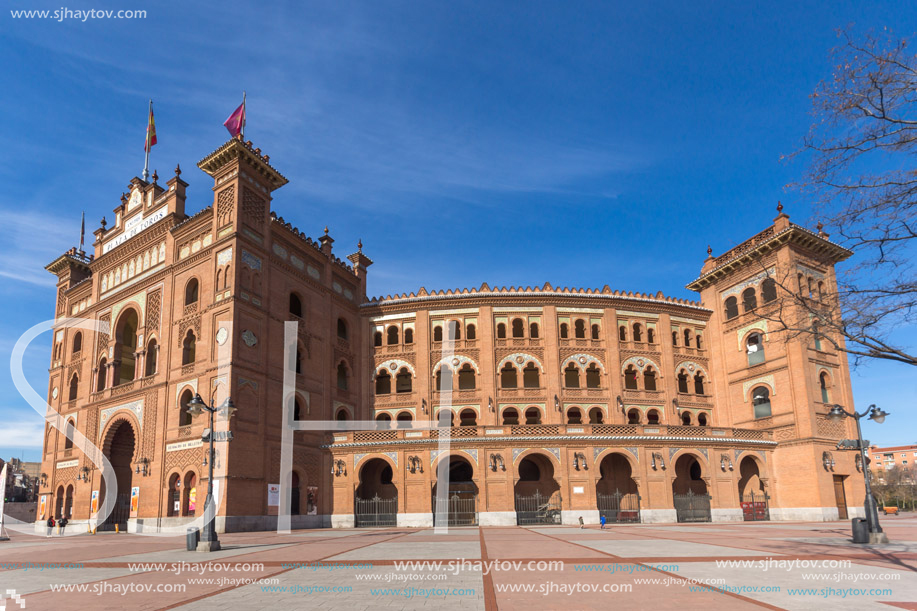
[(862, 177)]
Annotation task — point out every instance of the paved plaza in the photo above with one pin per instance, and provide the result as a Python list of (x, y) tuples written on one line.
[(772, 565)]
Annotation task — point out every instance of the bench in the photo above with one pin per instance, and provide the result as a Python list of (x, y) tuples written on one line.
[(890, 510)]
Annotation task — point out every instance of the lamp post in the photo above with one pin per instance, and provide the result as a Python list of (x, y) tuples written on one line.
[(837, 414), (209, 541)]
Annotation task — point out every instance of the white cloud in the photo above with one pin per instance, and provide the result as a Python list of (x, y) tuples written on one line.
[(22, 433)]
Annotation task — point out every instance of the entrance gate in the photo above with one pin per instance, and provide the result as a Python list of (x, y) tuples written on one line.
[(119, 514), (692, 507), (460, 510), (375, 512), (538, 509), (755, 507), (619, 507)]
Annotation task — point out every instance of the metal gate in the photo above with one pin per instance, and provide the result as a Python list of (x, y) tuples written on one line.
[(460, 509), (375, 512), (755, 507), (119, 514), (538, 509), (692, 507), (619, 507)]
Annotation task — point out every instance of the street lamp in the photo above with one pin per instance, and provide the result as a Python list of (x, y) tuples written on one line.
[(209, 541), (837, 414)]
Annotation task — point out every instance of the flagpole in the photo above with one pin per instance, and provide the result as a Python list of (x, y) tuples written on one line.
[(146, 161), (82, 230), (242, 131)]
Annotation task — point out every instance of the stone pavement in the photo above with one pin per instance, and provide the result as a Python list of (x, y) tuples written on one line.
[(771, 565)]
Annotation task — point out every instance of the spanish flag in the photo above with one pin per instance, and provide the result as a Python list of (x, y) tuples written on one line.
[(150, 131)]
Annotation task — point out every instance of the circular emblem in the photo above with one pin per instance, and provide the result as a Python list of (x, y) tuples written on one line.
[(54, 393), (222, 334), (640, 362), (249, 338), (455, 362), (520, 360), (582, 360), (393, 365), (691, 367)]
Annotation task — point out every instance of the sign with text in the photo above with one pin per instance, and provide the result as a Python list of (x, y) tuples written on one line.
[(273, 495), (134, 226)]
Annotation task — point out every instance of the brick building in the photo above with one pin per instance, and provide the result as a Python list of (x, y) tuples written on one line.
[(559, 403)]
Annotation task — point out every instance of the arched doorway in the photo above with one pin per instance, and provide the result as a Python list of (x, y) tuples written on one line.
[(752, 497), (120, 451), (537, 492), (616, 492), (376, 502), (689, 491), (460, 507), (68, 502), (189, 506), (294, 495), (126, 348), (174, 496)]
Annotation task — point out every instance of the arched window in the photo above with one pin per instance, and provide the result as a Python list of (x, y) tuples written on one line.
[(77, 342), (564, 331), (470, 332), (595, 332), (530, 376), (698, 383), (683, 381), (342, 415), (152, 357), (754, 346), (455, 330), (501, 331), (438, 377), (533, 330), (630, 378), (687, 338), (392, 335), (638, 332), (100, 378), (697, 341), (437, 334), (342, 376), (801, 281), (571, 376), (652, 417), (297, 410), (189, 348), (191, 292), (409, 336), (184, 418), (579, 329), (732, 308), (295, 305), (702, 419), (404, 420), (508, 376), (298, 359), (126, 348), (761, 401), (596, 416), (651, 335), (768, 290), (383, 383), (533, 415), (342, 328), (377, 339), (649, 378), (633, 416), (686, 418), (466, 378), (749, 299), (518, 328), (674, 338), (383, 421), (811, 287), (574, 416), (468, 417), (593, 379), (821, 290), (510, 416), (823, 383), (403, 381), (68, 431), (622, 333), (448, 415), (74, 387)]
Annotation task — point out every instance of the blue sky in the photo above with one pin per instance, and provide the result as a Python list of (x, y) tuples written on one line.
[(515, 143)]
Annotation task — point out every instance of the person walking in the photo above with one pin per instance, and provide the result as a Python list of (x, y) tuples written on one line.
[(61, 525), (581, 523), (602, 520), (50, 524)]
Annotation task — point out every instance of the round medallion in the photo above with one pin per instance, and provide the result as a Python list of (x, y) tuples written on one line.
[(222, 334), (520, 360), (640, 362), (582, 360), (691, 367), (455, 362), (54, 393), (249, 338), (393, 365)]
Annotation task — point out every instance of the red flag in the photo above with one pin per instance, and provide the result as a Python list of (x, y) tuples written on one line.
[(150, 132), (236, 121)]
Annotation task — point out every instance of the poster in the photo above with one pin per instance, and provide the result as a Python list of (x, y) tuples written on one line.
[(176, 507), (192, 500), (42, 506), (94, 505), (273, 495), (135, 499), (311, 500)]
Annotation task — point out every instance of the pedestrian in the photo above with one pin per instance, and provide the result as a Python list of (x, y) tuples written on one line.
[(50, 524), (61, 525), (602, 520), (581, 523)]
